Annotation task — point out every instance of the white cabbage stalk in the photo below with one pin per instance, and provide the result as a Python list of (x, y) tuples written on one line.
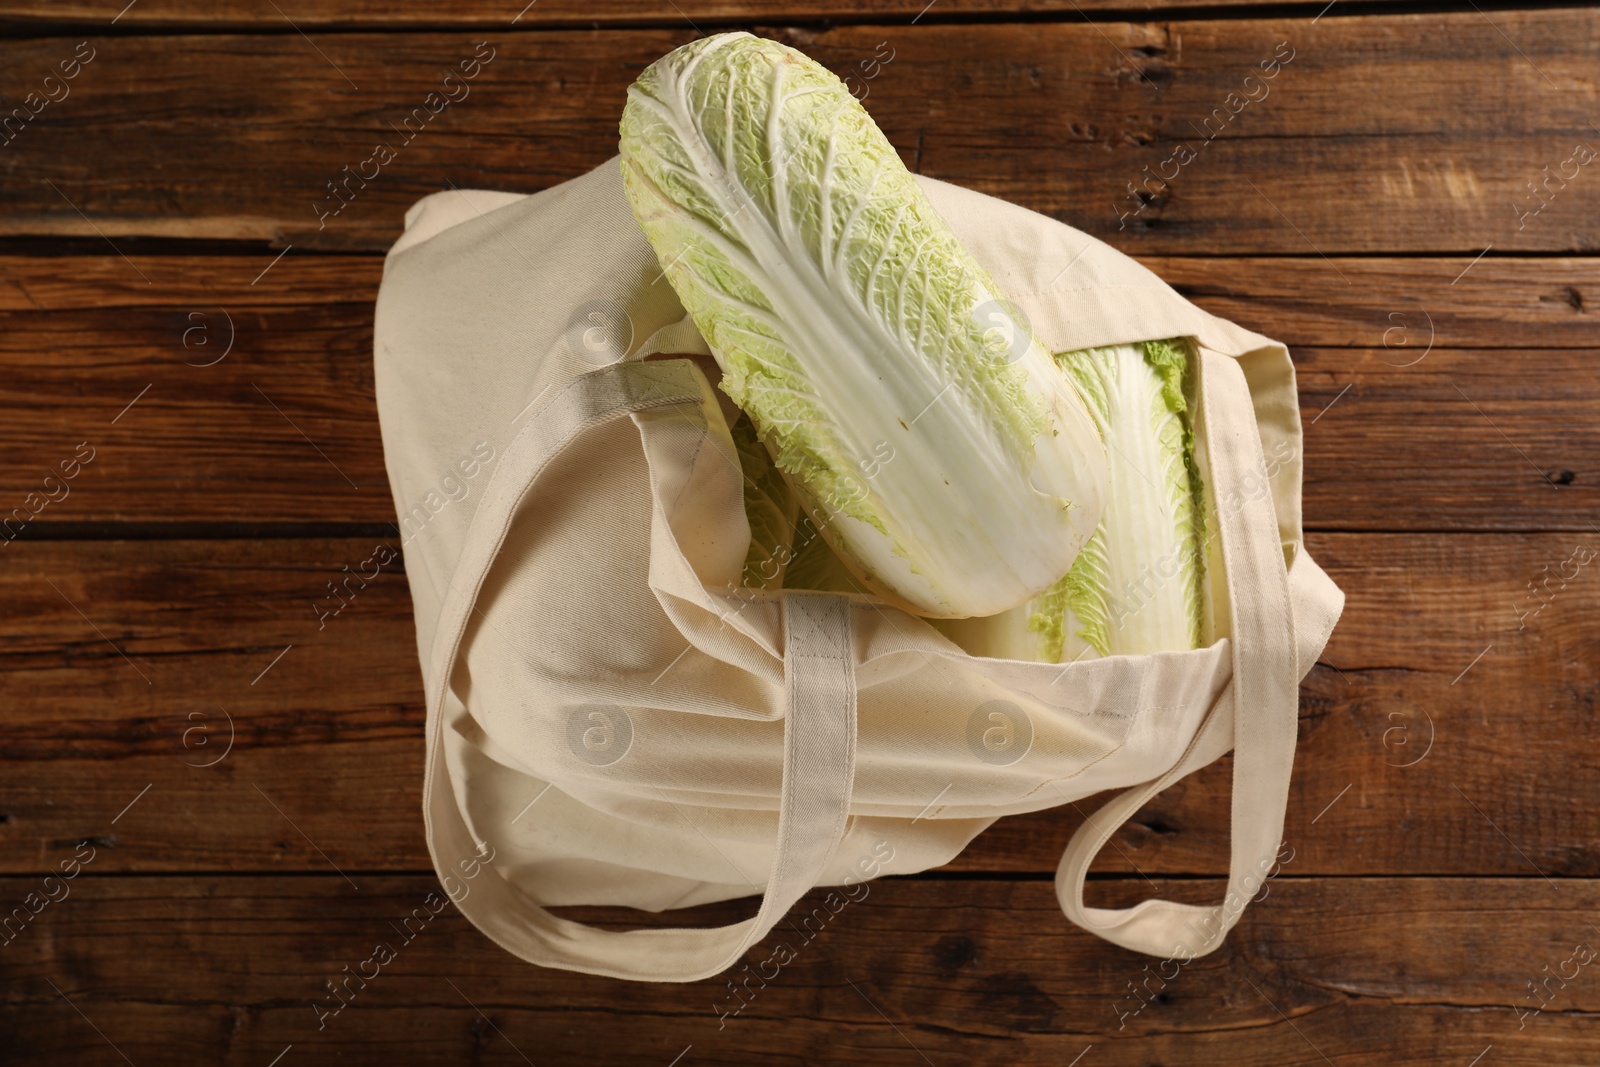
[(952, 466), (1138, 585)]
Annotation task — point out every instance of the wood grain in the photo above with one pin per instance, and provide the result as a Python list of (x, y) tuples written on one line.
[(1429, 738), (387, 14), (1425, 129), (1403, 304), (1368, 970), (1403, 429)]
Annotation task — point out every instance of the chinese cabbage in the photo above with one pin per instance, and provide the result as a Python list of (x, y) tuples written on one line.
[(950, 463)]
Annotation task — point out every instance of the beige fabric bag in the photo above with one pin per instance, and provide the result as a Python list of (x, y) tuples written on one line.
[(610, 722)]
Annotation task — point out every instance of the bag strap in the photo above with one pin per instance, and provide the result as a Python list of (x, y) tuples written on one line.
[(819, 736), (1263, 693)]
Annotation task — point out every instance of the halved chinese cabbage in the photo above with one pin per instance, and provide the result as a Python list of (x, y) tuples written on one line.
[(1139, 584)]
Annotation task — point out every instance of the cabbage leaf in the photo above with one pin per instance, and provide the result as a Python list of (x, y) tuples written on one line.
[(771, 507)]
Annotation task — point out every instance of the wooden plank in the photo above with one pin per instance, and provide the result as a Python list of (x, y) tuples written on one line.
[(260, 401), (1427, 126), (228, 970), (379, 14), (144, 660), (1514, 436), (201, 283), (1404, 304), (227, 386), (1428, 741)]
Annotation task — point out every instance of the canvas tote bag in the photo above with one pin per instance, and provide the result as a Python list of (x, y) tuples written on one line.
[(611, 720)]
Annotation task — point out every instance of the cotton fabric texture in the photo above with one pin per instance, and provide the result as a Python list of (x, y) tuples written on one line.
[(610, 721)]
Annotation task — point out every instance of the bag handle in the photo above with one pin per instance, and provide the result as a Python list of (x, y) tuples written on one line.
[(819, 736), (1264, 694)]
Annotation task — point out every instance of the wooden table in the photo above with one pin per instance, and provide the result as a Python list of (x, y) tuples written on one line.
[(1407, 203)]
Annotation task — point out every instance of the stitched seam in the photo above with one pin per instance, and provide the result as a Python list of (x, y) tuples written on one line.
[(1063, 290), (840, 657), (1118, 747), (705, 435), (790, 749)]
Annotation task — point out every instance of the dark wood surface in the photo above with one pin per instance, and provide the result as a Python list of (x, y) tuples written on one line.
[(1447, 847), (946, 971), (381, 14), (1383, 133)]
